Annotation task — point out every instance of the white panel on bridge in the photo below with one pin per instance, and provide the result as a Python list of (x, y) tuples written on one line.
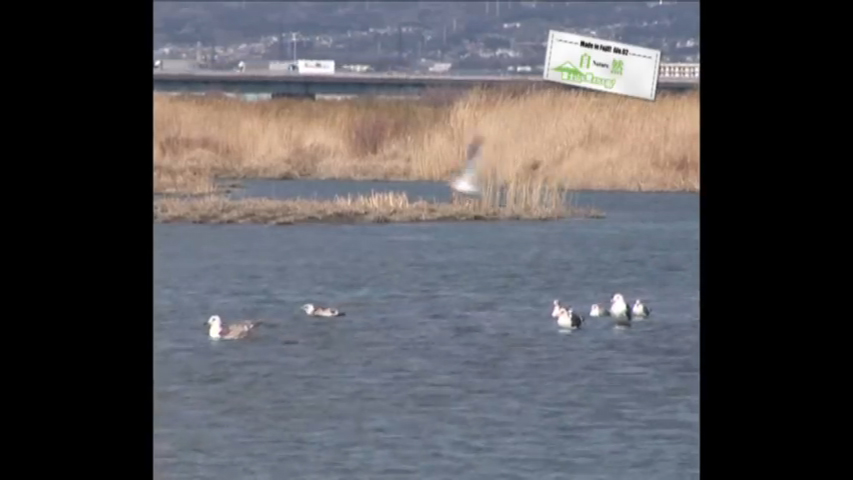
[(601, 65), (679, 70)]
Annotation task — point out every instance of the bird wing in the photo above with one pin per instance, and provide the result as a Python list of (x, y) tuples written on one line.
[(235, 331), (475, 153), (238, 329), (466, 181)]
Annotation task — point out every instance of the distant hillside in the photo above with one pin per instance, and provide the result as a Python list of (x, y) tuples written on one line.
[(221, 23)]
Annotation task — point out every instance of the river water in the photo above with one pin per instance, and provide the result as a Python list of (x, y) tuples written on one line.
[(447, 364)]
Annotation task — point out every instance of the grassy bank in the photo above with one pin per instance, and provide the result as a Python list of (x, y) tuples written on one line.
[(375, 208), (573, 139)]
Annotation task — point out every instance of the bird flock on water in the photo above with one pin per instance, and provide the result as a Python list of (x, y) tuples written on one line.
[(218, 331), (464, 184), (566, 317)]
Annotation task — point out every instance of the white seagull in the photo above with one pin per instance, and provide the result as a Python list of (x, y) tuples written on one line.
[(237, 330), (618, 307), (597, 311), (620, 311), (569, 319), (639, 310), (466, 183), (314, 311), (556, 311)]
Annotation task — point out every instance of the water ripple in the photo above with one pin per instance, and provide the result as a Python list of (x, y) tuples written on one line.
[(447, 366)]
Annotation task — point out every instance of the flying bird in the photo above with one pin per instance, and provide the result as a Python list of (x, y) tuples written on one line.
[(466, 183)]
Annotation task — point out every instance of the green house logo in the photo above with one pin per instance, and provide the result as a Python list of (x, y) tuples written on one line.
[(571, 73)]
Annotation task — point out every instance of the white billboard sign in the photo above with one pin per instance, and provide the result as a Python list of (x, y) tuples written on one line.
[(316, 66), (602, 65)]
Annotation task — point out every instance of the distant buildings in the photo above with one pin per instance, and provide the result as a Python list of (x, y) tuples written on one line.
[(413, 46), (440, 67), (357, 68)]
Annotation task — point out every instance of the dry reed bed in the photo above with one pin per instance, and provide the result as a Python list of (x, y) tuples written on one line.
[(575, 139), (171, 180), (382, 207)]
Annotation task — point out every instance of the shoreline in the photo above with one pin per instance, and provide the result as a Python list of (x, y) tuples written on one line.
[(237, 184)]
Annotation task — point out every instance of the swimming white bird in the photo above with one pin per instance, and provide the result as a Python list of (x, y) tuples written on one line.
[(569, 319), (231, 332), (640, 310), (597, 311), (556, 311), (310, 309), (618, 307), (466, 183)]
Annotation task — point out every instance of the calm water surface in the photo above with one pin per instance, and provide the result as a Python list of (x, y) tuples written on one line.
[(448, 364)]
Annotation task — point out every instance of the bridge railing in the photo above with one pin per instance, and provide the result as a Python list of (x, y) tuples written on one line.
[(679, 70), (667, 70)]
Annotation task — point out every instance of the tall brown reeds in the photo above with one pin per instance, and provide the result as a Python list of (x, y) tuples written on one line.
[(559, 138)]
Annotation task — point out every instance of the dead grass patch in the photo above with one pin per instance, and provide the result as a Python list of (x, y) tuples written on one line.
[(378, 207)]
